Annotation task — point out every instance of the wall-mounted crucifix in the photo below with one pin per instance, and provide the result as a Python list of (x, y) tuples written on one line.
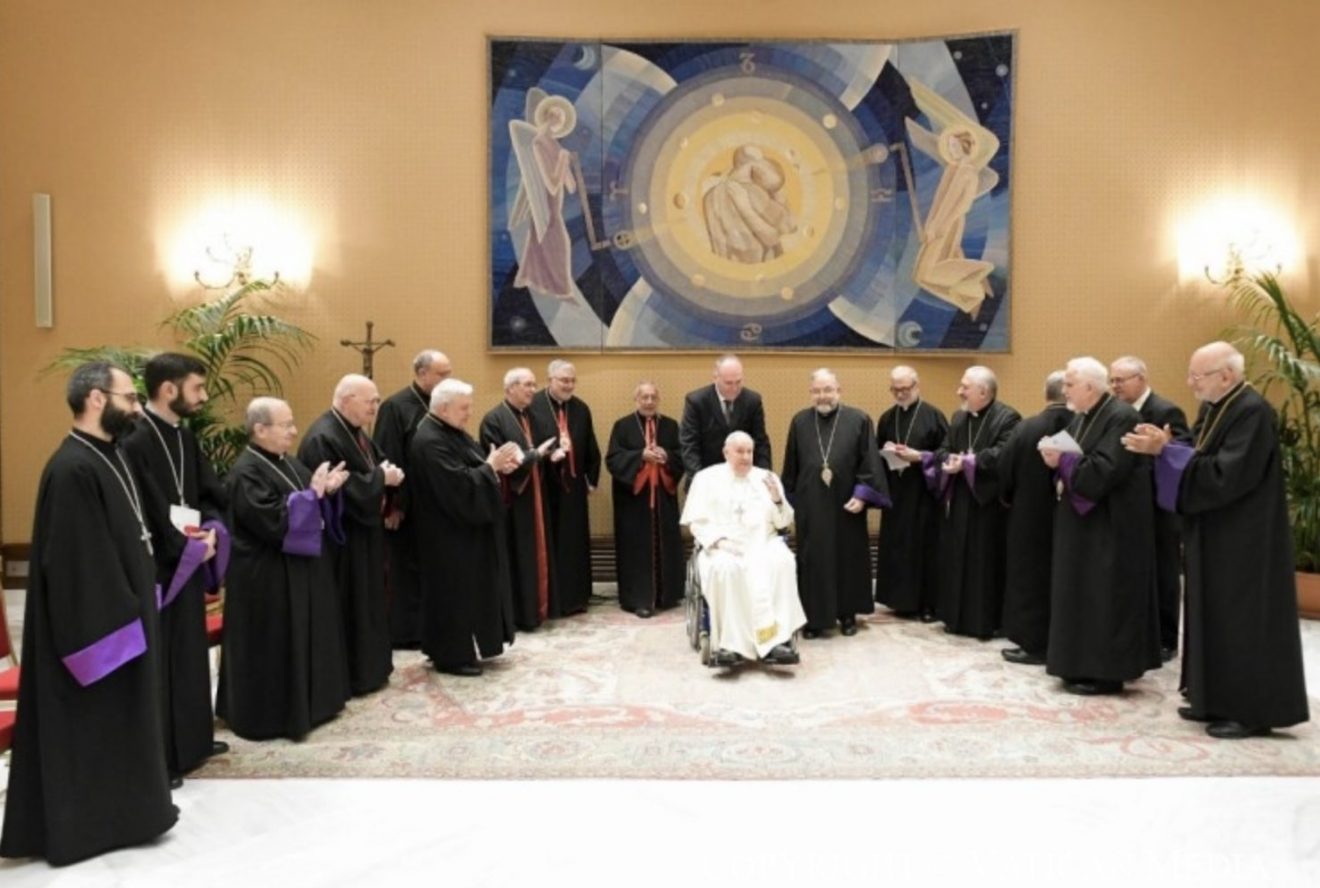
[(367, 349)]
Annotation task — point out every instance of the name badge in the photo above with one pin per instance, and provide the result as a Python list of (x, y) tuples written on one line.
[(183, 516)]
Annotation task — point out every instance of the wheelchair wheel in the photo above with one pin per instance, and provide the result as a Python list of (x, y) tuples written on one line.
[(703, 645)]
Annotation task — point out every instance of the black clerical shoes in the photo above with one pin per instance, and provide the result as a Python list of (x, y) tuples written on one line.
[(1191, 715), (848, 626), (644, 612), (1022, 657), (782, 655), (176, 781), (467, 670), (1231, 730), (726, 658), (1092, 687), (219, 747), (928, 617), (1167, 654), (811, 633)]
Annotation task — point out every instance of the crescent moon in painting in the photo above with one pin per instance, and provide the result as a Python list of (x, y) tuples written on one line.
[(587, 60)]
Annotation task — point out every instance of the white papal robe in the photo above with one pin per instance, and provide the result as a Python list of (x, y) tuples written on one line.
[(750, 580)]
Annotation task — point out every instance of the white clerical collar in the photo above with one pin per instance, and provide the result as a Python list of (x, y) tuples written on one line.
[(1141, 402)]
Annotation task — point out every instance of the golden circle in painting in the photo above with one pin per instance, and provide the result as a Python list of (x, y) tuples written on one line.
[(742, 189)]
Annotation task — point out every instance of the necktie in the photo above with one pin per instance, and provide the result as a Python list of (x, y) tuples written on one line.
[(728, 412)]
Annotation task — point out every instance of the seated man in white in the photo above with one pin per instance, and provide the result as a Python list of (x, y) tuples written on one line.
[(748, 575)]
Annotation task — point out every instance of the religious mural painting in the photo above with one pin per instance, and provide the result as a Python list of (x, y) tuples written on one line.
[(764, 195)]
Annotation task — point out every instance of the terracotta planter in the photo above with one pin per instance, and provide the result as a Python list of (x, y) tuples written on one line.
[(1308, 595)]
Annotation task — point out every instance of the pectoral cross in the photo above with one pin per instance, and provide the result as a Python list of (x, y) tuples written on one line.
[(738, 510), (367, 349), (146, 541)]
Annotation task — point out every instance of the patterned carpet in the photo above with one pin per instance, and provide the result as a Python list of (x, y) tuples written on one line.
[(605, 694)]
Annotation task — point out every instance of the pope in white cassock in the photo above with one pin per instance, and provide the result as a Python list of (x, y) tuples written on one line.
[(748, 575)]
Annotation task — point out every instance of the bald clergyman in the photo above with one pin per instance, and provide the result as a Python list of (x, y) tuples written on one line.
[(340, 435)]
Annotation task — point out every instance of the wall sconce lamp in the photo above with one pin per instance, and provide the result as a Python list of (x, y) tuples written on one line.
[(233, 261), (1241, 261)]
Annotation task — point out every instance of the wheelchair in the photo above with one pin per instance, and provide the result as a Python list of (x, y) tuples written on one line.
[(697, 618)]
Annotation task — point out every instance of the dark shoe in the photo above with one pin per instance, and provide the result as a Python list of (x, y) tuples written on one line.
[(1092, 687), (467, 670), (644, 612), (1167, 654), (1231, 730), (848, 626), (1191, 715), (726, 658), (782, 655), (928, 618), (176, 781), (219, 747), (1022, 657), (811, 633)]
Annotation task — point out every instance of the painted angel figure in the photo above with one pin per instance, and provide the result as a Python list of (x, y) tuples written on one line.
[(965, 148), (545, 265)]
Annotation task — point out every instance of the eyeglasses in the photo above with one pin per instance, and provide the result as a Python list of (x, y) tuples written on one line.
[(900, 389), (134, 397), (1197, 377), (1119, 380)]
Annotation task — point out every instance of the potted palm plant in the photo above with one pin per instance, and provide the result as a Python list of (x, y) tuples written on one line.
[(1284, 349), (245, 349)]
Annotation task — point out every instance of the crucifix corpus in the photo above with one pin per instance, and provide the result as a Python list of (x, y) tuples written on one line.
[(367, 349)]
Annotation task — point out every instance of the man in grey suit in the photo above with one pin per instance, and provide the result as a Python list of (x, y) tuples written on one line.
[(1127, 380), (714, 411)]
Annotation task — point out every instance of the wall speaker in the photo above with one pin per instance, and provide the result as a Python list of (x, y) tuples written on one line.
[(41, 278)]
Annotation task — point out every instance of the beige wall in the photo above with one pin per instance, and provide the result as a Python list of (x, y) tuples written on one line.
[(366, 122)]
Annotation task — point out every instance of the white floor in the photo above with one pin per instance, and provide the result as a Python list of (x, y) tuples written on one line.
[(292, 833)]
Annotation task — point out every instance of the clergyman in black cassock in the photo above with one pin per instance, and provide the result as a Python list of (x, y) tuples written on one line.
[(186, 487), (831, 476), (1242, 657), (1127, 378), (1104, 623), (1028, 487), (282, 667), (396, 421), (467, 594), (528, 526), (570, 483), (964, 472), (643, 459), (338, 436), (714, 411), (87, 770), (907, 557)]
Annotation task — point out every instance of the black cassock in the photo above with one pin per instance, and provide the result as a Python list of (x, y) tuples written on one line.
[(1168, 528), (87, 772), (528, 527), (466, 591), (1242, 657), (169, 457), (1027, 486), (907, 559), (566, 495), (973, 532), (647, 543), (282, 668), (395, 424), (833, 546), (1103, 618), (360, 561)]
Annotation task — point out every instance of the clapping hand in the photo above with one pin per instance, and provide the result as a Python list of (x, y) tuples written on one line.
[(393, 474), (335, 477), (954, 464), (1050, 455), (908, 453), (505, 458), (1148, 439), (320, 477), (772, 485)]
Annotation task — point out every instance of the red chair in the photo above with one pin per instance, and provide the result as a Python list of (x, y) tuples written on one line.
[(7, 717), (215, 623), (9, 675)]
